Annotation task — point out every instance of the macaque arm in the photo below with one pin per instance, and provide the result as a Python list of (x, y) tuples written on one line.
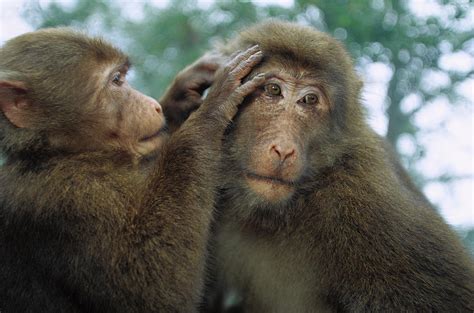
[(119, 253), (184, 94)]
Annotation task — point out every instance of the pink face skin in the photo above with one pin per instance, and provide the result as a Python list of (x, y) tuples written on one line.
[(273, 130), (103, 112), (135, 122)]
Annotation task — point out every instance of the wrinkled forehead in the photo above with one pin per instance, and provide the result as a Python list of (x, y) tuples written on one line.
[(279, 64), (298, 70)]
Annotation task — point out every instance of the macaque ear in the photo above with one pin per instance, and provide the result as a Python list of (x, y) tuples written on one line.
[(13, 102)]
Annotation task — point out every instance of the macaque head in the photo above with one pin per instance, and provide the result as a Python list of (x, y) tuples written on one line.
[(64, 91), (291, 128)]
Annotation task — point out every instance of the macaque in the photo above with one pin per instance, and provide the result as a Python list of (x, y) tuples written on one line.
[(315, 214), (100, 209)]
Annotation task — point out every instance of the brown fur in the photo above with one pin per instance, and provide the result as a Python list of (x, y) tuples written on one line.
[(353, 234), (184, 95), (87, 224)]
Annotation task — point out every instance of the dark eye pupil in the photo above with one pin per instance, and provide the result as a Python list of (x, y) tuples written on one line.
[(273, 89), (311, 99)]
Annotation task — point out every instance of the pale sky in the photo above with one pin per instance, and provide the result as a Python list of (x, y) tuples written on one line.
[(449, 143)]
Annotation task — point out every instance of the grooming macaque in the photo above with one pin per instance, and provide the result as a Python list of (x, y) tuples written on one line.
[(315, 215), (100, 210)]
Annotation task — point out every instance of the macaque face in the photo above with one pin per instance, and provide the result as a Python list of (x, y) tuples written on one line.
[(134, 121), (76, 96), (275, 131), (110, 115)]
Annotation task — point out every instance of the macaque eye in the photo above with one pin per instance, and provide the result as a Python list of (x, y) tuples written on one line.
[(118, 79), (311, 98), (272, 89)]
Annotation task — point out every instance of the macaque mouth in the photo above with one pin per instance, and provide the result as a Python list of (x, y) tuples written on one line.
[(158, 133), (269, 179)]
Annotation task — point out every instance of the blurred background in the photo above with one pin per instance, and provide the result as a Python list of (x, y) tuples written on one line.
[(416, 58)]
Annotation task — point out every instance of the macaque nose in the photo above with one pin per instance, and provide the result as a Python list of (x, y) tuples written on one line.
[(158, 108), (156, 105), (283, 153)]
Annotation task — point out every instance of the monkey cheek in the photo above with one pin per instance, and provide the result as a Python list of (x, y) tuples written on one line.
[(273, 192)]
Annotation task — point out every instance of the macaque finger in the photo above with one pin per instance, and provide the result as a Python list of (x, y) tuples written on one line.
[(250, 86), (237, 97), (242, 56), (244, 67)]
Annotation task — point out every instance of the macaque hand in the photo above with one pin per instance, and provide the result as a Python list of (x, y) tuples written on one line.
[(228, 91), (185, 93)]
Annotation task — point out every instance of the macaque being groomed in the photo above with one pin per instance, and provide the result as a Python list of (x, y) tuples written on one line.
[(101, 210), (314, 214)]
